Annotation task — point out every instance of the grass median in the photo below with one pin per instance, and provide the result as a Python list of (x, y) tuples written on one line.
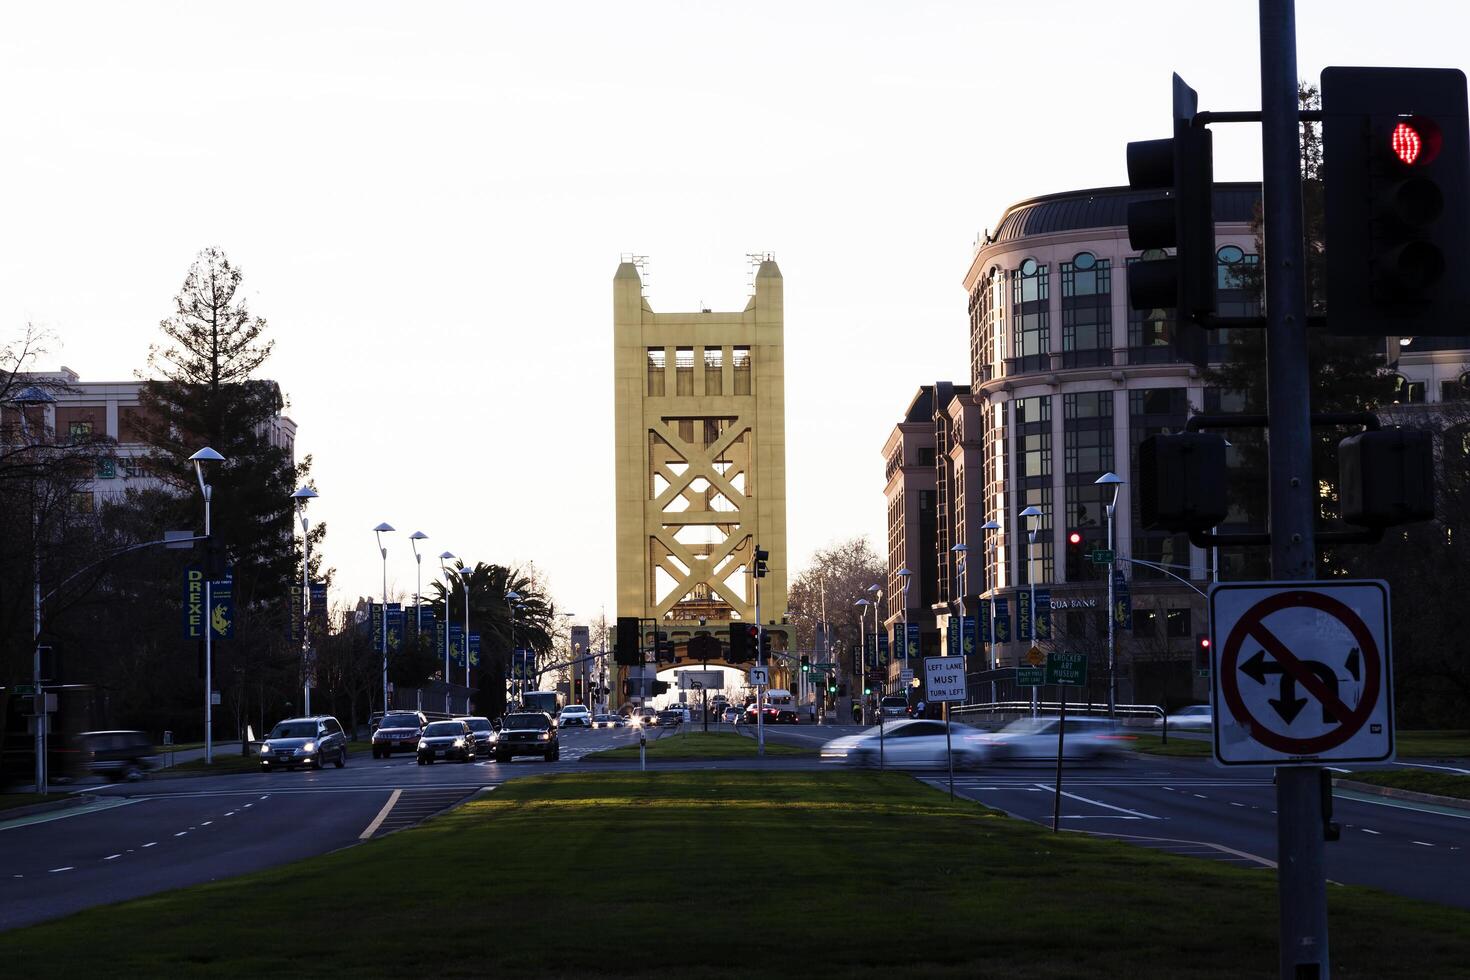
[(695, 746), (908, 883), (1433, 744), (9, 801), (1417, 781), (1198, 748)]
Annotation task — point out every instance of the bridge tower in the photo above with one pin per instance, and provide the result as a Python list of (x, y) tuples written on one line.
[(700, 410)]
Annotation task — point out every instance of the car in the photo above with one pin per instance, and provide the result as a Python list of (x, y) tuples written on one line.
[(398, 732), (304, 742), (609, 721), (646, 717), (733, 714), (574, 714), (117, 755), (670, 718), (916, 743), (773, 715), (483, 730), (894, 706), (1192, 718), (787, 716), (1086, 738), (527, 733), (446, 740)]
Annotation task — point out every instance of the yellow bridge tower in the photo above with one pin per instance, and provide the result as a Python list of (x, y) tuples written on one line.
[(700, 410)]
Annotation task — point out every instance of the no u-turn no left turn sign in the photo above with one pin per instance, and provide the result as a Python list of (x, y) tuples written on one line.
[(1302, 672)]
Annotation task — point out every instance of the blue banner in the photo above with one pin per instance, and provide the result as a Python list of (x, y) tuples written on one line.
[(395, 629), (194, 603), (222, 606), (474, 649), (431, 629), (1002, 620), (319, 600), (1043, 614), (883, 649), (1023, 615), (985, 636), (375, 617), (1122, 602), (456, 644), (913, 645)]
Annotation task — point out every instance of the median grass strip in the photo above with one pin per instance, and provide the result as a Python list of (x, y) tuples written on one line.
[(1154, 745), (694, 746), (1417, 781), (907, 883), (1433, 744), (9, 801)]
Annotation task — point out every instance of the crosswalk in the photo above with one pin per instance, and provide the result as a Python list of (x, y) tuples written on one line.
[(412, 806)]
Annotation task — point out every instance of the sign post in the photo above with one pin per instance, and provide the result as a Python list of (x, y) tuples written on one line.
[(945, 682), (1063, 669)]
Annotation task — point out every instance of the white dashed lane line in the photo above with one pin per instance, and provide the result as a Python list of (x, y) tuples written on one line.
[(1373, 832), (67, 868), (1422, 843)]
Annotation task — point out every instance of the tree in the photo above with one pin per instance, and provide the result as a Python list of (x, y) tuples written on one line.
[(490, 616), (835, 579)]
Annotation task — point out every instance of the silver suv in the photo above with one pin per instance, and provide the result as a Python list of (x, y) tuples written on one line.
[(304, 742)]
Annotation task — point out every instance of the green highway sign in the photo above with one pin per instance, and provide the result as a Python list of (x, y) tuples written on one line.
[(1102, 556), (1030, 676), (24, 689), (1066, 668)]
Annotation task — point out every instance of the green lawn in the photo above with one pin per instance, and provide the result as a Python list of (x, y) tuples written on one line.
[(692, 746), (1155, 745), (1418, 780), (886, 860), (9, 801), (1433, 745)]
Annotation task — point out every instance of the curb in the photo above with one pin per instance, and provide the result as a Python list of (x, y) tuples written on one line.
[(35, 808), (1407, 795)]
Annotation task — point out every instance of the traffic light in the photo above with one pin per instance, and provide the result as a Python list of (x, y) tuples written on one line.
[(1386, 477), (765, 639), (832, 685), (1183, 221), (1202, 651), (625, 646), (742, 642), (867, 690), (761, 557), (659, 687), (1182, 481), (1396, 171), (1076, 557), (663, 647), (806, 664)]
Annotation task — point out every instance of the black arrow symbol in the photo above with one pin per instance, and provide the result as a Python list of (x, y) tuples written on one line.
[(1256, 668), (1352, 663), (1288, 706), (1288, 709)]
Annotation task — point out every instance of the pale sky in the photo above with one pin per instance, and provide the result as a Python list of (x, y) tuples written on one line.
[(429, 202)]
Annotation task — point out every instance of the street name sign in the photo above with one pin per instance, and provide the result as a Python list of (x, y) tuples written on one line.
[(1030, 676), (1102, 556), (905, 677), (760, 676), (1066, 668), (944, 678), (1301, 673)]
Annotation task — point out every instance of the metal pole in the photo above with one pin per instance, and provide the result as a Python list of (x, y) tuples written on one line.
[(384, 621), (760, 658), (305, 614), (1056, 812), (1031, 576), (1112, 616), (1301, 876), (208, 635), (465, 582), (39, 699)]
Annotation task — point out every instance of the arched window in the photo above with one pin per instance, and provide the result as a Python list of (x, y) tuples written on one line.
[(1087, 311), (1030, 319)]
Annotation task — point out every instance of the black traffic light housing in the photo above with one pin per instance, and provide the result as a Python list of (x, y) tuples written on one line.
[(1077, 561), (1396, 167), (1182, 481), (742, 642), (1386, 477), (806, 664), (765, 642), (1201, 651), (761, 558), (663, 647), (1183, 221), (625, 645), (659, 687)]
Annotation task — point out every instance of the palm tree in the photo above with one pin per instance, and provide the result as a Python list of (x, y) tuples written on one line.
[(490, 616)]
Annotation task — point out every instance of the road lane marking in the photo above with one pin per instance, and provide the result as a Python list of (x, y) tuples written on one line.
[(181, 833), (150, 843), (1425, 765), (97, 806), (111, 857), (1422, 843), (208, 822), (69, 868), (1199, 796), (382, 815), (1105, 806), (1233, 803), (1373, 832)]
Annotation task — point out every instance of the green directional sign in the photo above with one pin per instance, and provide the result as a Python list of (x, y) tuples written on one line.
[(1030, 676), (1102, 556), (1066, 668), (24, 689)]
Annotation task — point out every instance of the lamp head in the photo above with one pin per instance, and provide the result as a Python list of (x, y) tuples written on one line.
[(446, 556), (512, 595), (34, 396), (304, 494), (415, 536), (207, 455), (385, 526), (990, 526)]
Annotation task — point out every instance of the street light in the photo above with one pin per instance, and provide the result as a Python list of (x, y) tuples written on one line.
[(207, 455), (465, 571), (903, 577), (988, 527), (301, 497), (863, 657), (418, 582), (961, 552), (444, 570), (29, 398), (1115, 481), (1032, 514), (383, 550), (511, 598)]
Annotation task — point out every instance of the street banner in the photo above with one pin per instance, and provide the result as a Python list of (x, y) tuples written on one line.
[(870, 651), (319, 601), (913, 647), (431, 629), (1122, 602), (969, 640), (439, 637), (375, 616), (985, 635), (1002, 620), (395, 629), (474, 649), (952, 637), (296, 614), (1043, 614), (456, 644), (194, 603), (1023, 615), (883, 649), (222, 606)]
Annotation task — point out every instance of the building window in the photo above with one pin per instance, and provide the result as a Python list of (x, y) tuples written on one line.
[(926, 456), (1406, 392), (1176, 622), (1030, 319), (106, 468), (714, 376), (1087, 311), (684, 371), (79, 431), (740, 362), (1145, 623), (655, 372), (987, 321), (1032, 437)]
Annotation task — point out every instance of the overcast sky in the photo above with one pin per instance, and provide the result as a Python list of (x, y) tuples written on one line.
[(429, 202)]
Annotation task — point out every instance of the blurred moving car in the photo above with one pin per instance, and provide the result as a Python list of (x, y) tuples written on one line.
[(398, 732), (118, 755), (910, 744), (670, 718), (1193, 718), (1036, 738), (574, 714), (609, 721), (527, 733), (774, 715), (304, 742), (446, 740), (894, 706), (733, 715), (483, 731), (646, 717)]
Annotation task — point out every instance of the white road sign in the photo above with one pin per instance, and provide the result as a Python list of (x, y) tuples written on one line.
[(760, 676), (1302, 672), (945, 678)]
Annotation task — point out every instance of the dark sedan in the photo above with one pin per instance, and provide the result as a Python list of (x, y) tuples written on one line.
[(527, 733), (398, 732), (484, 733), (447, 740)]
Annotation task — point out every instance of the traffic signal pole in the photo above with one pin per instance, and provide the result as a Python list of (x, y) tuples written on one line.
[(1301, 875)]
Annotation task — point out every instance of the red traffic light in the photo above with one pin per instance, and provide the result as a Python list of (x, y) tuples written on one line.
[(1204, 642), (1074, 537), (1415, 141)]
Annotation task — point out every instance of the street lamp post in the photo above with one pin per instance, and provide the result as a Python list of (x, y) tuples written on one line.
[(863, 655), (207, 455), (511, 598), (961, 552), (903, 577), (1031, 514), (444, 570), (465, 571), (988, 527), (383, 550), (418, 583), (28, 398), (301, 497), (1113, 480)]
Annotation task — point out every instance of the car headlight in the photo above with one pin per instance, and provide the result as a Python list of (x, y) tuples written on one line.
[(459, 743), (308, 748), (265, 748), (544, 736)]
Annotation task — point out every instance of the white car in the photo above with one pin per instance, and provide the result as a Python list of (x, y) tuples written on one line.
[(913, 744), (574, 714), (1193, 718), (1036, 739)]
